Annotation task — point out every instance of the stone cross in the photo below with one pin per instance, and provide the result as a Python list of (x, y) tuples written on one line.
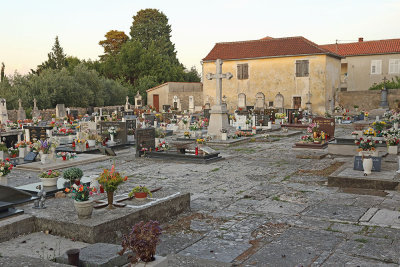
[(127, 100), (3, 101), (218, 76), (20, 103), (34, 103)]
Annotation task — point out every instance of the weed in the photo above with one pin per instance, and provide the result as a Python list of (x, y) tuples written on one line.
[(215, 170), (361, 240), (276, 198)]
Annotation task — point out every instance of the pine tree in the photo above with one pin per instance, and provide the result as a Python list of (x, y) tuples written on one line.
[(2, 72)]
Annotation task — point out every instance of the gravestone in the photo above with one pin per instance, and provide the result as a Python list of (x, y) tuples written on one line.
[(60, 111), (31, 156), (326, 125), (35, 110), (3, 111), (138, 100), (120, 127), (145, 138), (166, 107), (21, 112), (74, 113), (279, 102), (191, 104), (206, 113), (127, 105), (376, 164), (260, 101), (150, 118), (242, 101), (36, 132)]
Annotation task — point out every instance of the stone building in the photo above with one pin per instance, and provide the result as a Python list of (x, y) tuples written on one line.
[(293, 72), (178, 95), (365, 63)]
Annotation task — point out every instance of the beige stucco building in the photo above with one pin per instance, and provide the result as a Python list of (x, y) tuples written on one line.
[(179, 95), (267, 69), (366, 63)]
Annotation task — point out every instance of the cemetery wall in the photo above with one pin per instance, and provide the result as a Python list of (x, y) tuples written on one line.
[(271, 76), (368, 100)]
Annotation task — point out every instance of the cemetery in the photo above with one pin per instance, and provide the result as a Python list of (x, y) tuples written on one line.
[(106, 159), (278, 152)]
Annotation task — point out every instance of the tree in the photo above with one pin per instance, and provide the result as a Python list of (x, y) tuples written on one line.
[(113, 42), (56, 59), (151, 26), (2, 71), (192, 75)]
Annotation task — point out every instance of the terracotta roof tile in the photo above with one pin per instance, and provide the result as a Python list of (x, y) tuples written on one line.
[(365, 48), (271, 47)]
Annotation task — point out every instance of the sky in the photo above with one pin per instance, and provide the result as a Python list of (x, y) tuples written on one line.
[(28, 28)]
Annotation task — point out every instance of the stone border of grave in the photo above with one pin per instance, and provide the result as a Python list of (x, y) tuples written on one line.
[(208, 158)]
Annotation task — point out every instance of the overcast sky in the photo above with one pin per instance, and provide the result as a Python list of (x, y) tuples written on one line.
[(28, 27)]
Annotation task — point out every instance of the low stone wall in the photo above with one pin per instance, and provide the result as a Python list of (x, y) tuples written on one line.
[(368, 100)]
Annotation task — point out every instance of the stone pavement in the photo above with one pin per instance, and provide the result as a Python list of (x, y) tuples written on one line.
[(265, 205)]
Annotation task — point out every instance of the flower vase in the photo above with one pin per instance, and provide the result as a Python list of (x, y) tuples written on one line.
[(392, 150), (110, 199), (253, 131), (396, 125), (4, 180), (28, 149), (367, 166), (112, 138), (315, 134), (224, 136), (64, 157), (22, 152), (44, 158), (84, 209)]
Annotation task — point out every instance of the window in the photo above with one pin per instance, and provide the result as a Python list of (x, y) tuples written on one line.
[(270, 103), (301, 68), (242, 71), (376, 66), (394, 66)]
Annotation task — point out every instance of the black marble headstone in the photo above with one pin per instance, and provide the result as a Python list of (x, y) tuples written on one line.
[(145, 138), (121, 136), (376, 164), (31, 156)]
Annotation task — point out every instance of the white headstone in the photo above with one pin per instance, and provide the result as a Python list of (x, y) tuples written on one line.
[(260, 101), (191, 104), (242, 101), (278, 103), (138, 100), (3, 111), (60, 111)]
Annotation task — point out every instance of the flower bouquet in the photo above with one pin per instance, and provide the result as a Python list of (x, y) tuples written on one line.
[(49, 178), (83, 204), (110, 180), (163, 146), (66, 155), (5, 167)]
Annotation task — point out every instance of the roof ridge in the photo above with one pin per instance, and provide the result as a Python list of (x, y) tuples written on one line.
[(260, 40), (370, 41)]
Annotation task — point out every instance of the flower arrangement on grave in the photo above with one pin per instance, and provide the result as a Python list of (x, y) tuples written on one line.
[(185, 121), (65, 131), (244, 134), (13, 152), (21, 144), (366, 144), (395, 117), (379, 127), (159, 133), (66, 155), (73, 174), (163, 146), (49, 174), (194, 127), (140, 189), (279, 116), (81, 192), (248, 121), (112, 130), (186, 134), (144, 150), (307, 139), (45, 146), (5, 167), (232, 117), (204, 123), (142, 241), (392, 140), (369, 132), (110, 180), (354, 134), (200, 141), (366, 113)]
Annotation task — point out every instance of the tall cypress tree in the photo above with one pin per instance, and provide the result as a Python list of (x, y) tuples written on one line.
[(56, 59), (2, 72)]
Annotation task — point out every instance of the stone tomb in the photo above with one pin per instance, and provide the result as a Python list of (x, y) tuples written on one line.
[(9, 197), (145, 139), (121, 136), (36, 132)]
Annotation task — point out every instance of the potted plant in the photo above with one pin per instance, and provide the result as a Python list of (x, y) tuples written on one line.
[(379, 127), (130, 135), (73, 174), (366, 147), (49, 178), (356, 107), (142, 241), (354, 135), (83, 204), (140, 192), (110, 180), (5, 168), (91, 139), (186, 134), (392, 141)]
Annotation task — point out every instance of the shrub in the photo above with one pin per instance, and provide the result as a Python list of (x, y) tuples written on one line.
[(73, 174)]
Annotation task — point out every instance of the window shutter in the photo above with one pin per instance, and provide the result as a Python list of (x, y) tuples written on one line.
[(306, 68), (297, 68), (379, 67), (239, 72), (245, 71)]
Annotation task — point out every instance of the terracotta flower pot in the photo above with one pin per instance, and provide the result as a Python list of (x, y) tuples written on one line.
[(140, 195)]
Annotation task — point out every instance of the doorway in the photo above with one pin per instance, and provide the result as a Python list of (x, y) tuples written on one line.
[(156, 102), (296, 102)]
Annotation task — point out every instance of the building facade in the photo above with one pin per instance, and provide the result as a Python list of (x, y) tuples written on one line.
[(178, 95), (286, 73), (366, 63)]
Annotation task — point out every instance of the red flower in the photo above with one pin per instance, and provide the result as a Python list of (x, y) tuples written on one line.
[(7, 159), (101, 189)]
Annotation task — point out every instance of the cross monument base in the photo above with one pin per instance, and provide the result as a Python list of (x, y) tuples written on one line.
[(218, 121)]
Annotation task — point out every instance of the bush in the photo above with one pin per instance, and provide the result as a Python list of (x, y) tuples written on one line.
[(72, 174)]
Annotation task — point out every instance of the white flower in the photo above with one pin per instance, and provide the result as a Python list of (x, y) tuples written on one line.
[(370, 143), (75, 186), (1, 174)]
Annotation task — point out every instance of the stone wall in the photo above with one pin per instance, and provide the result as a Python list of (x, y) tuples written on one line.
[(368, 100)]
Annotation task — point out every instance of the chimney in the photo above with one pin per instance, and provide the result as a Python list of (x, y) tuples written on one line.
[(360, 39)]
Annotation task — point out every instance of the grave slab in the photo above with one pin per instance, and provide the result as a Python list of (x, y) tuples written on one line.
[(386, 218), (18, 261), (336, 212), (82, 159), (346, 176), (106, 225)]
